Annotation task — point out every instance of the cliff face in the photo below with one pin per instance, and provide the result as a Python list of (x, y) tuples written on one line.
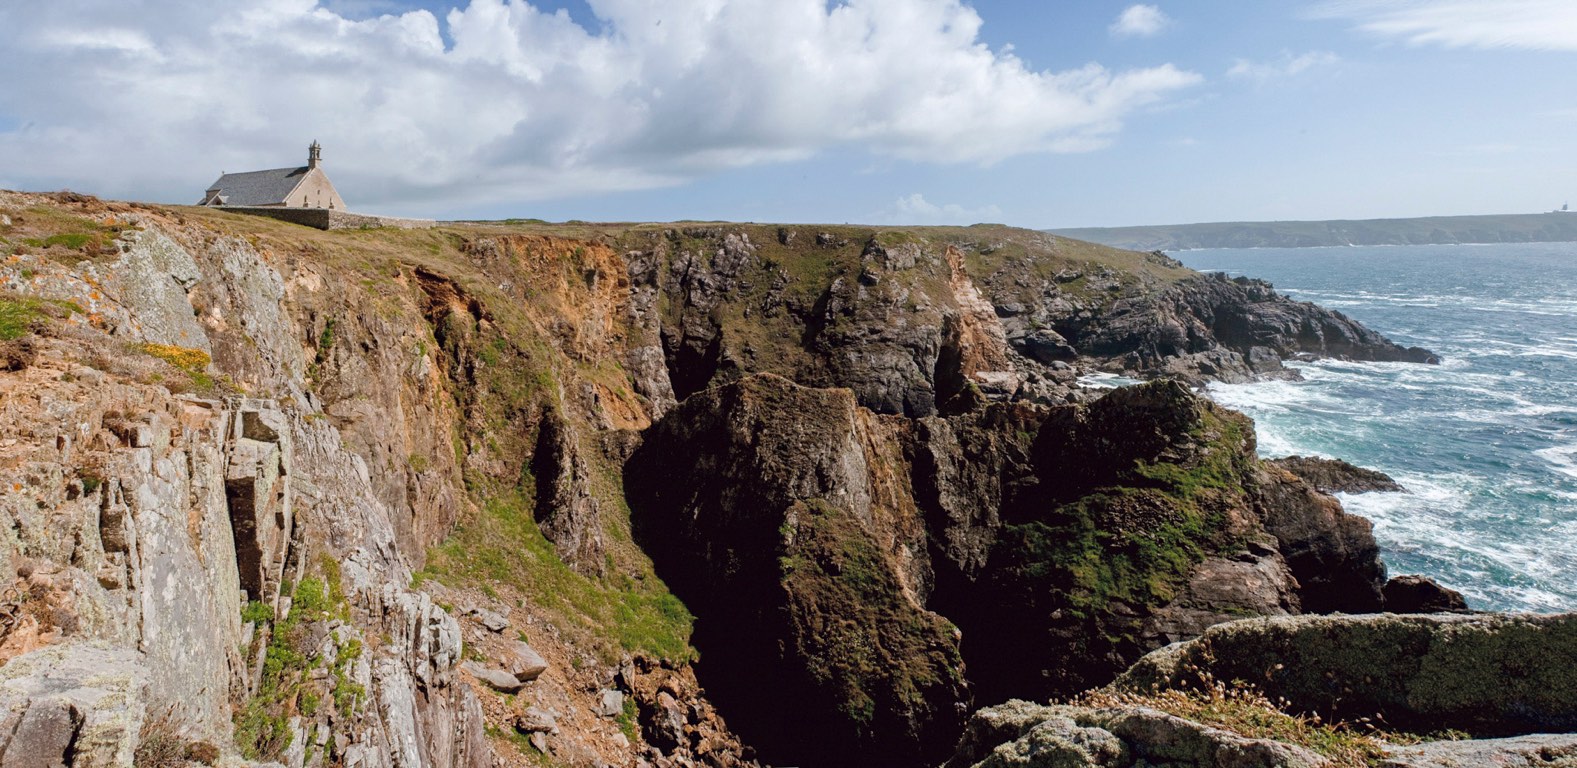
[(781, 515), (159, 518), (416, 498)]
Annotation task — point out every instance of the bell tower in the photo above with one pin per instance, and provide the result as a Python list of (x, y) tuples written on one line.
[(314, 154)]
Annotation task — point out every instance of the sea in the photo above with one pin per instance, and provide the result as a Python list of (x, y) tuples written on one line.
[(1485, 443)]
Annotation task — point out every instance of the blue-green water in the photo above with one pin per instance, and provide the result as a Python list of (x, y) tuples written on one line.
[(1486, 442)]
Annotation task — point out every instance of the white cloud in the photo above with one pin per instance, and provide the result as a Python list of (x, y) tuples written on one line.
[(502, 102), (1139, 21), (1287, 65), (915, 209), (1534, 24)]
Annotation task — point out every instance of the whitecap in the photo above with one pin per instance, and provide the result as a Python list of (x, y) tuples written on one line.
[(1562, 457), (1103, 380)]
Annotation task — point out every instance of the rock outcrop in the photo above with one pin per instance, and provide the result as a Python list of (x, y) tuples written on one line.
[(1029, 735), (921, 324), (1544, 751), (1420, 594), (1337, 476), (1212, 327), (1333, 554), (1293, 691), (1487, 675), (1141, 526)]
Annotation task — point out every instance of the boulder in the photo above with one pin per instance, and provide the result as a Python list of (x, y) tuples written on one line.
[(610, 703), (1421, 594), (666, 722), (1046, 346), (497, 679), (1485, 674), (1019, 734), (493, 622), (535, 720), (523, 661), (71, 704)]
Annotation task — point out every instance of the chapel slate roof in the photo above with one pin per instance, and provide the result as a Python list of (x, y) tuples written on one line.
[(257, 187)]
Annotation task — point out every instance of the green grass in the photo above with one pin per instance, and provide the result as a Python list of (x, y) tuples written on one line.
[(21, 315), (627, 721), (76, 241), (257, 611), (615, 613), (17, 317), (189, 361), (262, 724)]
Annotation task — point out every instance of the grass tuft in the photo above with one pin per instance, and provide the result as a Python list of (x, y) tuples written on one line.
[(1244, 711), (503, 545)]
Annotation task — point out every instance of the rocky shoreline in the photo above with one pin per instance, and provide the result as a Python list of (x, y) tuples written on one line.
[(647, 495)]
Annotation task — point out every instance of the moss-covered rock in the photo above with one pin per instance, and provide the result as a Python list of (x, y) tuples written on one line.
[(777, 512), (1135, 490), (1486, 674)]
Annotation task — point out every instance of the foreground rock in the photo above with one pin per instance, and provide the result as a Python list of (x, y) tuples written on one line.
[(1545, 751), (1022, 734), (1487, 675)]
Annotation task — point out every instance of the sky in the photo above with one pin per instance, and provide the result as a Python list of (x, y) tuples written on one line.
[(1036, 113)]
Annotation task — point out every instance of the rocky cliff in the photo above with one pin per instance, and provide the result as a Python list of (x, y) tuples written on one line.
[(418, 498)]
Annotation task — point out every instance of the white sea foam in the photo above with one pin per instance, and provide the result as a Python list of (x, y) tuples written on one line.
[(1562, 457), (1487, 441), (1102, 380), (1438, 522)]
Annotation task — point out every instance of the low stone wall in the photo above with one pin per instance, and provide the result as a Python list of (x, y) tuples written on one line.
[(326, 218)]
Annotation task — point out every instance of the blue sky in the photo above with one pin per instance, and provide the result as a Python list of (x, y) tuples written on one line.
[(1040, 114)]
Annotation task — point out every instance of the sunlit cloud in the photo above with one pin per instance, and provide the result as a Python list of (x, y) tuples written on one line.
[(1533, 24), (1287, 65), (1139, 21), (501, 101), (915, 209)]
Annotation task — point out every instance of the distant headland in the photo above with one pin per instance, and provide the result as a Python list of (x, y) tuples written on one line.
[(1556, 226)]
